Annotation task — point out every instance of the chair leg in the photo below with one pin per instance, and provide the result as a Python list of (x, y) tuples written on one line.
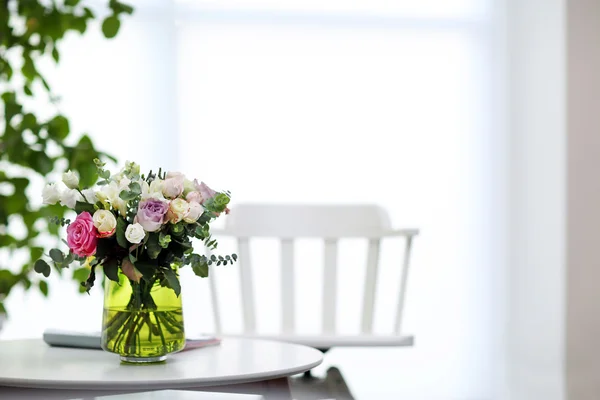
[(308, 374)]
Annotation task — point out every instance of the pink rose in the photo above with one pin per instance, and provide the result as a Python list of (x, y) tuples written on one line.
[(174, 174), (195, 211), (82, 235), (194, 197), (173, 186), (151, 214)]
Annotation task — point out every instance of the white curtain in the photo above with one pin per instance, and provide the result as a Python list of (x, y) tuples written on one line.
[(316, 101)]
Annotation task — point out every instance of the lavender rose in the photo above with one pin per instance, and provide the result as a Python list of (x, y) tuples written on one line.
[(204, 190), (151, 214)]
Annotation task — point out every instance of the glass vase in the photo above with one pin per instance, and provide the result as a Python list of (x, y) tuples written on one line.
[(142, 321)]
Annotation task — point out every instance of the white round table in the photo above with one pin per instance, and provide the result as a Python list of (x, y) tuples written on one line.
[(32, 364)]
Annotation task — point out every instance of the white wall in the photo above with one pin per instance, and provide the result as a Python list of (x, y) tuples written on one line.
[(536, 269)]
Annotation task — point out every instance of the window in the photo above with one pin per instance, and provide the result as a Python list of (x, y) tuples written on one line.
[(318, 101)]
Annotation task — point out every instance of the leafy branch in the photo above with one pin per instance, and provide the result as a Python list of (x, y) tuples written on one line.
[(31, 30)]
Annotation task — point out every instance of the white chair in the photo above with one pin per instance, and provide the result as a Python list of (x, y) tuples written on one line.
[(330, 223)]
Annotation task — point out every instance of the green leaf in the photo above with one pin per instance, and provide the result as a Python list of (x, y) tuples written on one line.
[(80, 207), (43, 288), (87, 12), (55, 54), (199, 265), (79, 24), (173, 281), (111, 269), (104, 247), (28, 69), (81, 274), (147, 269), (121, 227), (71, 3), (89, 283), (58, 128), (40, 162), (57, 256), (42, 267), (110, 27), (35, 252), (152, 246), (119, 7)]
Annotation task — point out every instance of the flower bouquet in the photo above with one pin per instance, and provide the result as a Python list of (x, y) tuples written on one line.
[(138, 229)]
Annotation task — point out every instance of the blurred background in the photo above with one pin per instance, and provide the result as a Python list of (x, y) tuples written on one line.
[(451, 114)]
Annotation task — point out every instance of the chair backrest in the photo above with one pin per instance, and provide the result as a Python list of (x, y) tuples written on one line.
[(289, 222)]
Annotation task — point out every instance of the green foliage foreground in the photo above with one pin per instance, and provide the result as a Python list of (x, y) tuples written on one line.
[(31, 30)]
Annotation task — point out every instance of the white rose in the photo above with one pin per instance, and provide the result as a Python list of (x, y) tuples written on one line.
[(70, 197), (105, 222), (51, 193), (70, 179), (135, 233), (195, 212), (110, 193), (178, 209), (90, 195)]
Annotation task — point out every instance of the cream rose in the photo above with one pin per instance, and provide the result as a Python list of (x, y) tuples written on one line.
[(135, 233), (105, 222), (178, 209)]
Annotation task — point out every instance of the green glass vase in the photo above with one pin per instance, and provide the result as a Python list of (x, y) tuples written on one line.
[(142, 321)]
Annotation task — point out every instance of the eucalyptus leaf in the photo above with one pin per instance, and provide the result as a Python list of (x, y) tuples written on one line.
[(57, 256), (42, 267), (173, 281)]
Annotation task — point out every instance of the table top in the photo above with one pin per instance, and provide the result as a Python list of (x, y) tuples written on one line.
[(33, 364), (180, 395)]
